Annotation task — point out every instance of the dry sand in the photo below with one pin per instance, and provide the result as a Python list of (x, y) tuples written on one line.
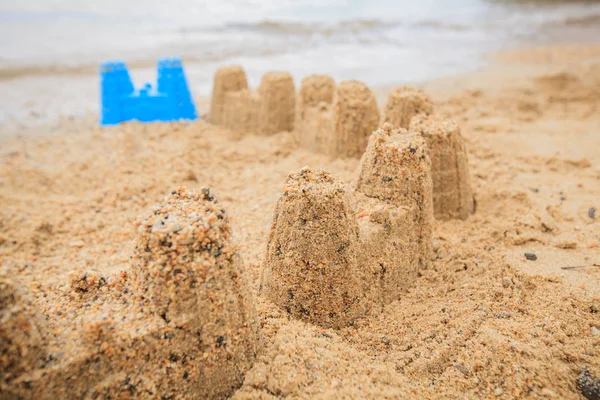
[(482, 321)]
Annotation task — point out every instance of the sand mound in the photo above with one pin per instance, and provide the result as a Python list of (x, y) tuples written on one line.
[(21, 341)]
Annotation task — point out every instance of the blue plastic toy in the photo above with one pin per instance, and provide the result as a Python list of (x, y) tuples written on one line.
[(121, 102)]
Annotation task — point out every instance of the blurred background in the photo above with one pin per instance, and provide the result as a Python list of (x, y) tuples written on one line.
[(50, 49)]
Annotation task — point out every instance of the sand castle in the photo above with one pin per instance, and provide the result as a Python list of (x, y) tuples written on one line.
[(338, 120), (336, 253), (187, 330)]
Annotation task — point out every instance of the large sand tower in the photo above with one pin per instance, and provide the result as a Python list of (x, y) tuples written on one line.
[(191, 276), (312, 252), (396, 169)]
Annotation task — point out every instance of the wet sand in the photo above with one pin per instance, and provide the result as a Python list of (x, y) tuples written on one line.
[(481, 321)]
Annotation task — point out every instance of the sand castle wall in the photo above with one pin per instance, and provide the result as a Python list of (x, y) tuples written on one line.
[(452, 194), (189, 327), (329, 267)]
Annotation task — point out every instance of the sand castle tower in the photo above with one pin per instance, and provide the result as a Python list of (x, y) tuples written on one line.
[(315, 89), (356, 116), (312, 270), (314, 125), (278, 100), (226, 79), (189, 273), (396, 170), (404, 103), (452, 194), (21, 341)]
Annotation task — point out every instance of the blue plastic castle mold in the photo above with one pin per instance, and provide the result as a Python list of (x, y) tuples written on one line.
[(169, 101)]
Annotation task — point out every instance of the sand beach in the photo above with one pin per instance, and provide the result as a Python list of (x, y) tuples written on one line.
[(310, 237), (480, 321)]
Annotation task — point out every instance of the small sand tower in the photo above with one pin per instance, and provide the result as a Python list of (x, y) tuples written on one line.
[(311, 262), (226, 79), (316, 89), (452, 194), (278, 102), (21, 342), (356, 117), (313, 125), (189, 273), (404, 103)]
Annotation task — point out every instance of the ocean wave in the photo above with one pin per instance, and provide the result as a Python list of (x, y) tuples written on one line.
[(585, 20), (13, 71), (443, 25), (273, 27)]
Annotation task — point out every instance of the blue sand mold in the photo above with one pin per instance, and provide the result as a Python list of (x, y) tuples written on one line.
[(121, 102)]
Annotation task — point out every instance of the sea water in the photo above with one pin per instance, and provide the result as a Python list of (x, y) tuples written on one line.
[(52, 47)]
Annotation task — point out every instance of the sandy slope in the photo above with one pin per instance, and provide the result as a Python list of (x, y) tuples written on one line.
[(483, 322)]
